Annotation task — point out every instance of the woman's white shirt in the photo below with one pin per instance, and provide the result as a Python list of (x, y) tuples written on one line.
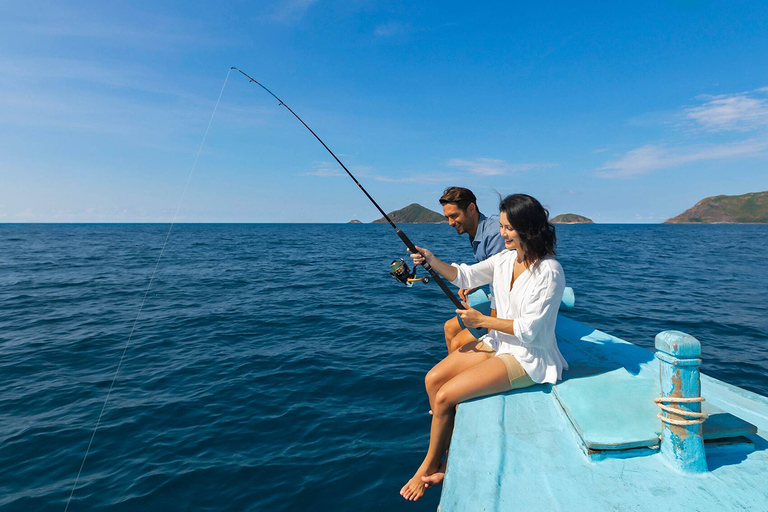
[(533, 303)]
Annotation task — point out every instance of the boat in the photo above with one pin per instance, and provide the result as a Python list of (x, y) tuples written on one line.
[(626, 429)]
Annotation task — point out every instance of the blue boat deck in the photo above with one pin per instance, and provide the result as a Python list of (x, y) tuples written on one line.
[(591, 441)]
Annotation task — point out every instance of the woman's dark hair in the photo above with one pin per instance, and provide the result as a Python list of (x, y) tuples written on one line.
[(531, 221)]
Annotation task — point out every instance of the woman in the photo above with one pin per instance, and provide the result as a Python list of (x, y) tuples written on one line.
[(520, 349)]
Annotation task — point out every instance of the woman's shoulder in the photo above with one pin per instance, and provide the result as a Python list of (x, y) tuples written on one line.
[(548, 265), (503, 255)]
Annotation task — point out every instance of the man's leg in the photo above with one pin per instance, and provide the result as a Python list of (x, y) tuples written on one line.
[(451, 329), (455, 336)]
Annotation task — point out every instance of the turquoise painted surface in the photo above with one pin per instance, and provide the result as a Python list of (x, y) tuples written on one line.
[(569, 299), (678, 344), (519, 451), (612, 410)]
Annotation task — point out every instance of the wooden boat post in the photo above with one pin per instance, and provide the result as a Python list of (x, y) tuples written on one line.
[(682, 441)]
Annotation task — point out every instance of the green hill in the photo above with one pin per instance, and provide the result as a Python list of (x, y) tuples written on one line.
[(414, 214), (571, 218), (745, 209)]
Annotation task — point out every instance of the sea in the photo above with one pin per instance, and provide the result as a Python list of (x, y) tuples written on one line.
[(279, 367)]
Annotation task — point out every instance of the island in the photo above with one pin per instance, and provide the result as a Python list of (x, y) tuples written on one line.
[(749, 208), (571, 218), (414, 214), (354, 221)]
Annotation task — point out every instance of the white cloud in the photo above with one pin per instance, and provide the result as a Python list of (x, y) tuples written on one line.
[(478, 166), (739, 112), (648, 217), (161, 32), (289, 11), (725, 112), (52, 72), (27, 214), (135, 28), (391, 29), (653, 157), (418, 178), (492, 166), (366, 173), (326, 170), (96, 97)]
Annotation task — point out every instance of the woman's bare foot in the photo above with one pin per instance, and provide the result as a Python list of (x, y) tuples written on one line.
[(415, 487), (435, 478)]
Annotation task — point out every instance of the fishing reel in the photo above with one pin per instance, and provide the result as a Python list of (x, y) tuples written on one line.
[(400, 272)]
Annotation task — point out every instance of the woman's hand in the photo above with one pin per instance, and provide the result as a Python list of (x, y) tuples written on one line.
[(471, 317), (422, 256)]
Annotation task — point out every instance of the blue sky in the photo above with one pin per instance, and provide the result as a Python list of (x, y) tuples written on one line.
[(622, 113)]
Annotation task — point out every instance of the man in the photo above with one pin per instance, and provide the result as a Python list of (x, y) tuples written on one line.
[(460, 208)]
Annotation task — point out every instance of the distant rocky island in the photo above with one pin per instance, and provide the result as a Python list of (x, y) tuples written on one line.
[(414, 214), (570, 218), (354, 221), (749, 208)]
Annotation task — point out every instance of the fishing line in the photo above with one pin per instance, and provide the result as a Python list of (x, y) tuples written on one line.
[(144, 299), (403, 237)]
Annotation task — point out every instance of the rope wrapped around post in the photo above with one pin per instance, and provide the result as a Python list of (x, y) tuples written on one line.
[(695, 417)]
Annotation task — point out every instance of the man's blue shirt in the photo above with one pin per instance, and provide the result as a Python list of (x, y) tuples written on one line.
[(487, 240)]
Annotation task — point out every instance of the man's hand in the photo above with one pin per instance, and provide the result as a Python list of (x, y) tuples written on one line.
[(463, 294)]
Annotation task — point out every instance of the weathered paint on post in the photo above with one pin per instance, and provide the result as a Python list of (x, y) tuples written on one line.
[(679, 360)]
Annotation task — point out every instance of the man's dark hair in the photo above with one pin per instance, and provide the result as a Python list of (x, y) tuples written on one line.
[(531, 221), (461, 197)]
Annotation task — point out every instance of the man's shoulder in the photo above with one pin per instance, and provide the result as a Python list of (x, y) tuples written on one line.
[(490, 225), (486, 219)]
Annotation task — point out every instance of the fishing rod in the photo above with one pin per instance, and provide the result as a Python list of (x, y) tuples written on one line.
[(403, 237)]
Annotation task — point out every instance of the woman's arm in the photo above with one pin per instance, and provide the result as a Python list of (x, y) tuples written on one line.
[(463, 276), (447, 271), (541, 303), (473, 318)]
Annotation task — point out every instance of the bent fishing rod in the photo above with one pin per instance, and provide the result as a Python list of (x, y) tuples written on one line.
[(403, 237)]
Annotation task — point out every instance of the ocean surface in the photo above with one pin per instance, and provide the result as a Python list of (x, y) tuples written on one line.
[(279, 367)]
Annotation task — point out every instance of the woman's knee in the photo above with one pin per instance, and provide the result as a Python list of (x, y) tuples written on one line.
[(433, 380), (461, 339), (444, 400)]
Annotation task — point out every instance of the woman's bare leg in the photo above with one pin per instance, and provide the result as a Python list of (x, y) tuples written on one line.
[(437, 477), (485, 378), (456, 362), (460, 340)]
